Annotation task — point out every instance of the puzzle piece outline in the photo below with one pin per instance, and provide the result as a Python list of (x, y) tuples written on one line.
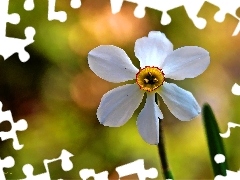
[(87, 173), (137, 167), (20, 125), (230, 175), (66, 164), (192, 10), (13, 45), (7, 162), (52, 14), (228, 132)]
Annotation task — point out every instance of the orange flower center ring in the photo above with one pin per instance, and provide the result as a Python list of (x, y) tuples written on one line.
[(150, 78)]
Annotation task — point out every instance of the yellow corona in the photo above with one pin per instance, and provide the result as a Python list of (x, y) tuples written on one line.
[(150, 78)]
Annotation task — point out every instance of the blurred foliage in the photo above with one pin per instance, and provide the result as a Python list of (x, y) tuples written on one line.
[(58, 95)]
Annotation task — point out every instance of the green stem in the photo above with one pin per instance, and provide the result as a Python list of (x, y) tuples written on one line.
[(162, 154), (162, 151)]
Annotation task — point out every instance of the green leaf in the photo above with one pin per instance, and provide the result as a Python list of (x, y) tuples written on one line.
[(215, 143)]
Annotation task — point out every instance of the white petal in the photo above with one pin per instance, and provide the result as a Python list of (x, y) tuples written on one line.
[(180, 102), (118, 105), (186, 62), (152, 50), (111, 63), (148, 120)]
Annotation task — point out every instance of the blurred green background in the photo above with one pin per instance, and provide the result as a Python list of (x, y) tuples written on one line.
[(58, 94)]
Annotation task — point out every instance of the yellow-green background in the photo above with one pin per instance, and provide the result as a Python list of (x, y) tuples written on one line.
[(57, 93)]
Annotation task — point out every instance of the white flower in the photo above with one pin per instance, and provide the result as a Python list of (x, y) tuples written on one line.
[(158, 61)]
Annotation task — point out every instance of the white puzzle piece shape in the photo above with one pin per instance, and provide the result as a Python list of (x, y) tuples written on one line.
[(20, 125), (7, 162), (66, 164), (192, 9), (9, 45), (137, 167)]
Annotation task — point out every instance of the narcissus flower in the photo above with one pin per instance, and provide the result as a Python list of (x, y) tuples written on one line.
[(158, 61)]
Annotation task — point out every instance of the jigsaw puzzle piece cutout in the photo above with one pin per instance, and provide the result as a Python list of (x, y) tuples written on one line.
[(87, 173), (140, 11), (192, 9), (28, 171), (7, 162), (225, 7), (210, 8), (29, 5), (13, 45), (20, 125), (231, 175), (54, 15), (137, 167), (9, 46), (60, 15), (66, 164), (6, 18), (228, 132), (13, 18), (75, 4), (165, 6)]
